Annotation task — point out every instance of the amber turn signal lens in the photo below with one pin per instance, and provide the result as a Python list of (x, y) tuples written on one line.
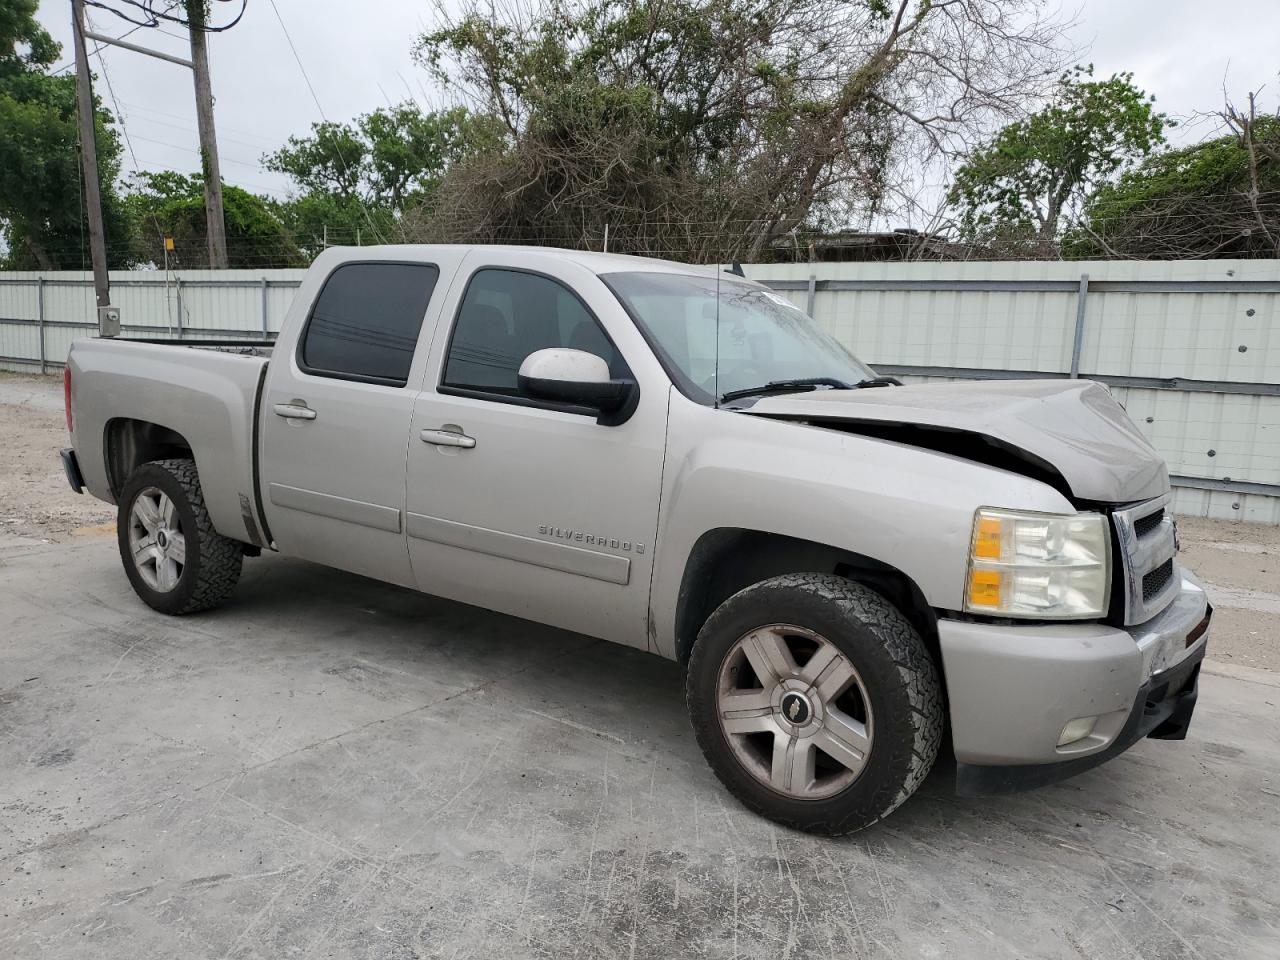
[(984, 588), (986, 542)]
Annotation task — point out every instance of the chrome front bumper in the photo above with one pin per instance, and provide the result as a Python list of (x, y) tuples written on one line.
[(1162, 638), (1012, 689)]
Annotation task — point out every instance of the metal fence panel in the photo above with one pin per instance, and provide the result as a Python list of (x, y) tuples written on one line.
[(73, 303), (58, 342), (1167, 334), (1212, 435), (21, 341), (152, 303), (1222, 505)]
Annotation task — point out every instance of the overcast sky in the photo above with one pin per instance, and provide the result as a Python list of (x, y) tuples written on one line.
[(357, 58)]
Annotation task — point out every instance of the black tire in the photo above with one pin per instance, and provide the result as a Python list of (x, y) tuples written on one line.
[(212, 563), (899, 678)]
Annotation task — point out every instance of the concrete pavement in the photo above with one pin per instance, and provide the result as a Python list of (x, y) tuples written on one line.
[(331, 767)]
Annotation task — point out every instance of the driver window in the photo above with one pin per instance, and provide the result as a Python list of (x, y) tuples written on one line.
[(506, 315)]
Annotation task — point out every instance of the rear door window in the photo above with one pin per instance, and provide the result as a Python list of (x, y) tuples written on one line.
[(366, 321)]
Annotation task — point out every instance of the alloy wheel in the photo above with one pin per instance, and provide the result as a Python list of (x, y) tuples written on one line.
[(794, 711), (156, 540)]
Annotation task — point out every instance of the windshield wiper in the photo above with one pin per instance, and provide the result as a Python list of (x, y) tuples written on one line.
[(803, 384), (786, 386)]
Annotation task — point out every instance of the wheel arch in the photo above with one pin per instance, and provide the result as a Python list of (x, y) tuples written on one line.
[(129, 443), (725, 560)]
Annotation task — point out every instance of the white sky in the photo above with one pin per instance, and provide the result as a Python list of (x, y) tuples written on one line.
[(357, 57)]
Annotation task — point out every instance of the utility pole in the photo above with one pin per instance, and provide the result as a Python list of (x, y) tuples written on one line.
[(196, 19), (108, 320)]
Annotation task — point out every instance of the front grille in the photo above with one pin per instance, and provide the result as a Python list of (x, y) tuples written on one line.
[(1148, 523), (1147, 570), (1154, 583)]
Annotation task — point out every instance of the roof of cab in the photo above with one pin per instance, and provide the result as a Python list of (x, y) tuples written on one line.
[(598, 263)]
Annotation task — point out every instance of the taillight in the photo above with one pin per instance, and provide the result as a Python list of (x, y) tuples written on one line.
[(66, 393)]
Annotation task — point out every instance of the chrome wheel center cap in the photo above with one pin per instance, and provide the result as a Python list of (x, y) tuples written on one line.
[(796, 708), (162, 539)]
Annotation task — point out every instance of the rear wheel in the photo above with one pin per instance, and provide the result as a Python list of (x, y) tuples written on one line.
[(175, 560), (815, 701)]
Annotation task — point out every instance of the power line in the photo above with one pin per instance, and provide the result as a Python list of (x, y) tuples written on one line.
[(254, 186), (136, 108), (128, 139), (303, 70), (298, 60), (186, 128), (102, 62), (98, 50), (124, 129), (253, 164), (153, 17)]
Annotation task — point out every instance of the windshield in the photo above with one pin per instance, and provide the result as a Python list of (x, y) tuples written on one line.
[(763, 337)]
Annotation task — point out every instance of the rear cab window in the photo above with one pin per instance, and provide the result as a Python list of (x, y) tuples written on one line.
[(365, 323)]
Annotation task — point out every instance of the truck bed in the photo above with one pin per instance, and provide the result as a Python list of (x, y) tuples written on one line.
[(206, 392), (233, 345)]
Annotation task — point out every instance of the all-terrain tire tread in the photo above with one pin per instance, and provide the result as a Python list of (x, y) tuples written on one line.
[(221, 558)]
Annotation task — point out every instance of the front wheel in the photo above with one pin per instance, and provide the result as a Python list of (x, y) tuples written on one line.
[(815, 701), (174, 558)]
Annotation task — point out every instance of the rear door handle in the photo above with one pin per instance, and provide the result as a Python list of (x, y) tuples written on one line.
[(447, 438), (294, 411)]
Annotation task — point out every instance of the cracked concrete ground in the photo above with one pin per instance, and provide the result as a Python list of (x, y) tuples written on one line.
[(332, 767)]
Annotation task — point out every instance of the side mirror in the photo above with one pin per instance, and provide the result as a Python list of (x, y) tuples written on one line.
[(579, 378)]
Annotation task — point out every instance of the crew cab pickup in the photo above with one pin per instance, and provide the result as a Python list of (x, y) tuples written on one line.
[(859, 575)]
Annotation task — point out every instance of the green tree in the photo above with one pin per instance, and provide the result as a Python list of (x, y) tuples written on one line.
[(1219, 198), (42, 219), (172, 204), (712, 129), (334, 160), (359, 178), (1031, 180), (316, 218)]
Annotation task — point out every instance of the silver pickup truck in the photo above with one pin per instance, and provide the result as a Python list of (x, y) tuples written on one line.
[(858, 575)]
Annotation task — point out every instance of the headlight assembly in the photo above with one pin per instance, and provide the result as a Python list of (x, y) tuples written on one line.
[(1039, 565)]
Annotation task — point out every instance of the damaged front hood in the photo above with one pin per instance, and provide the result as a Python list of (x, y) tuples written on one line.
[(1073, 429)]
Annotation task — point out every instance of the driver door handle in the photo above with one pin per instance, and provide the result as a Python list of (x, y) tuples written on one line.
[(294, 411), (447, 438)]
